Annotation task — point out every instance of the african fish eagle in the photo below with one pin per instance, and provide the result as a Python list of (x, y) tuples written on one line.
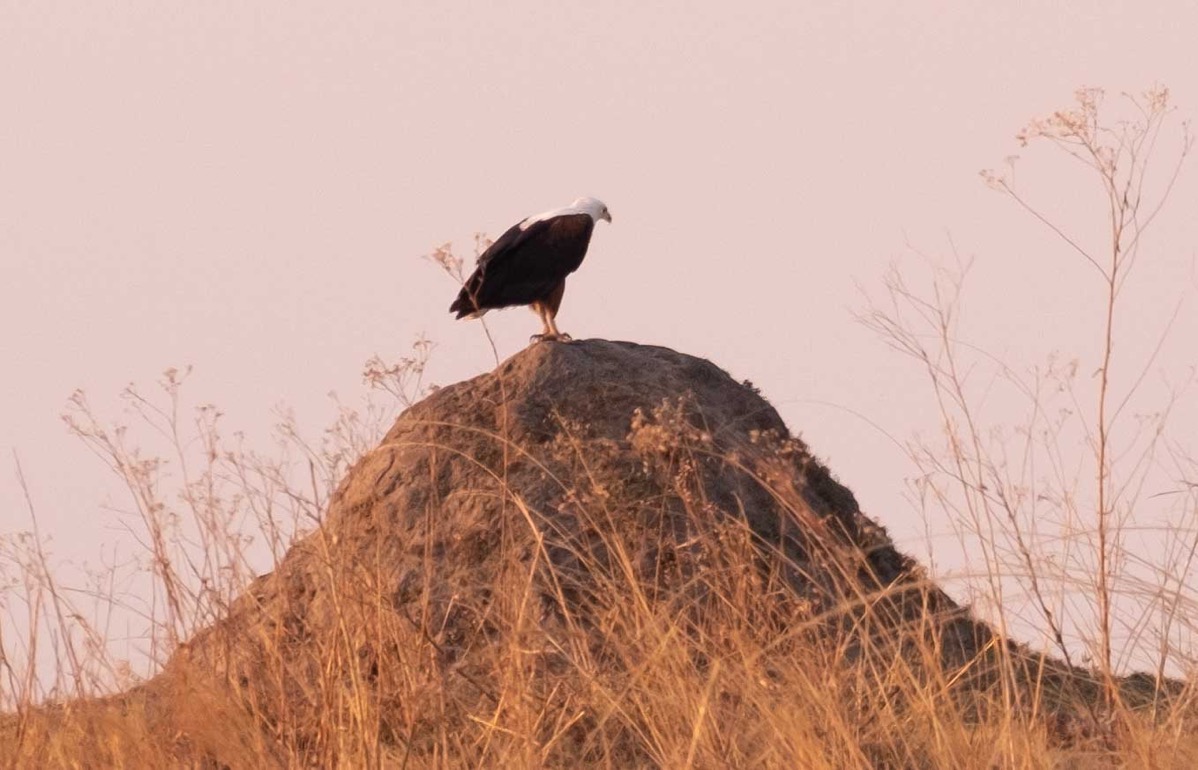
[(529, 263)]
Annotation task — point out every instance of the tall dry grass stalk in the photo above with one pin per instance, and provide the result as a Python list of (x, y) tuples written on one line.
[(1050, 534)]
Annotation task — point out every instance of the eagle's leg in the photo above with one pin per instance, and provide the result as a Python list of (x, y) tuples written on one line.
[(550, 331), (552, 303), (546, 311), (554, 332)]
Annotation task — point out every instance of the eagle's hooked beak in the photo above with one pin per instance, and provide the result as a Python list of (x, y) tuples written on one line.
[(606, 215)]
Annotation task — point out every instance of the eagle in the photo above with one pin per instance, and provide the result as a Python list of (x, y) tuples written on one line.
[(529, 263)]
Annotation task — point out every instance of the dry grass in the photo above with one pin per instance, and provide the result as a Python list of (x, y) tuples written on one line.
[(653, 626), (638, 639)]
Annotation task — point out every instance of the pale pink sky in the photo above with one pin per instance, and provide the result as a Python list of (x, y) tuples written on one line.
[(248, 188)]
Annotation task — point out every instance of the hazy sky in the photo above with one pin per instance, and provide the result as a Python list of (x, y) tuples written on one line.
[(249, 188)]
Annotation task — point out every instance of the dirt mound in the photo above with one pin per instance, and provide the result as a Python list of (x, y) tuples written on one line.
[(542, 564)]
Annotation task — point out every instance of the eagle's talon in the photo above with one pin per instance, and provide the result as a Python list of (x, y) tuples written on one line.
[(550, 337)]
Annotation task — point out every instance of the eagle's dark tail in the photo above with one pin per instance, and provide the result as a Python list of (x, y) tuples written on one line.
[(464, 305)]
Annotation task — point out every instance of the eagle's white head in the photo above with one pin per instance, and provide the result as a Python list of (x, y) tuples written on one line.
[(593, 206)]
